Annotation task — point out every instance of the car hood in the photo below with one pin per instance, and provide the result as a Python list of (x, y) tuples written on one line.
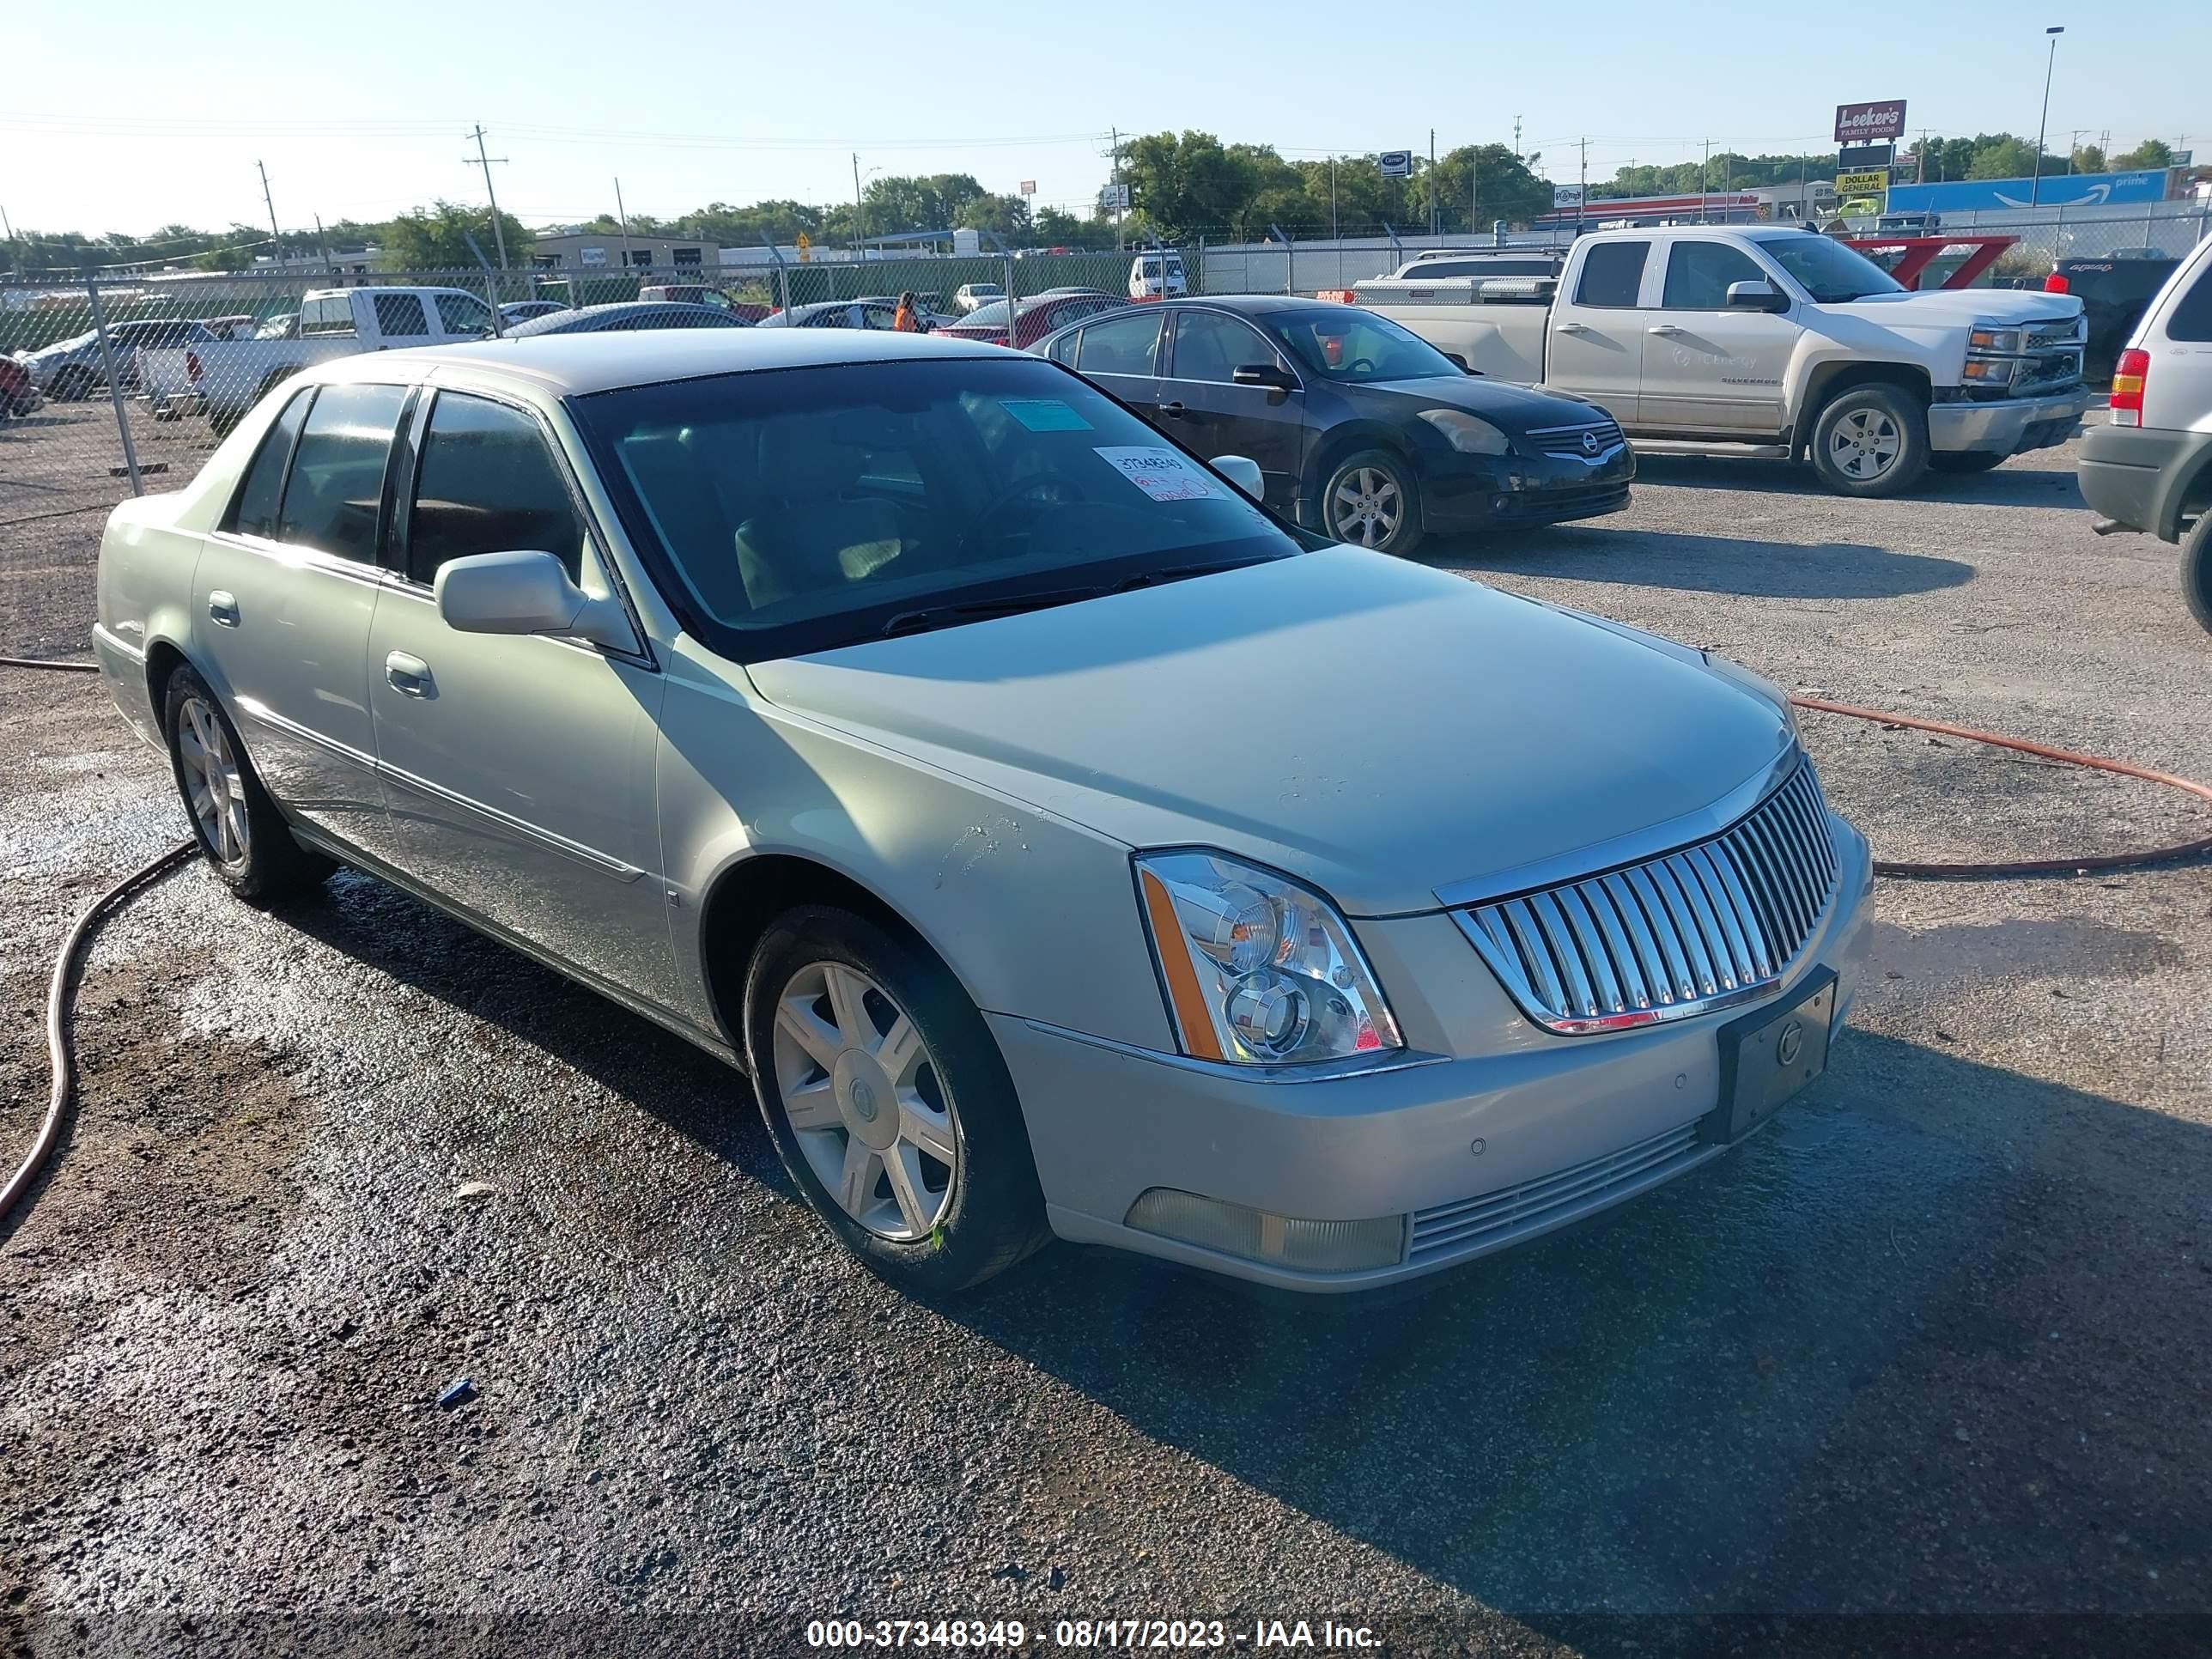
[(1966, 306), (1379, 729), (1507, 405)]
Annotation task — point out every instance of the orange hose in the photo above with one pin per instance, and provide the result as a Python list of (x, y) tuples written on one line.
[(2028, 867)]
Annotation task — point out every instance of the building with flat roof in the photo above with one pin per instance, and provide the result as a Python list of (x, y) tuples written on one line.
[(588, 250)]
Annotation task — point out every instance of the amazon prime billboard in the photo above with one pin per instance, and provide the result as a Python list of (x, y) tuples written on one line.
[(2059, 190)]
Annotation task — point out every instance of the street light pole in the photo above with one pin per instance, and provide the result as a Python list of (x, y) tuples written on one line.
[(2035, 185)]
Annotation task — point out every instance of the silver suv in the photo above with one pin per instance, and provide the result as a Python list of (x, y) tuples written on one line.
[(1063, 845), (2150, 466)]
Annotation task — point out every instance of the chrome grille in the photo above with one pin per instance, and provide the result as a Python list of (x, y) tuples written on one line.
[(1493, 1218), (1568, 439), (1715, 922)]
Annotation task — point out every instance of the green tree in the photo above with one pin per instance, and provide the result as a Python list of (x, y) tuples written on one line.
[(1185, 185), (2089, 158), (2151, 153), (1050, 227), (2005, 158), (437, 238), (1477, 183), (1007, 217)]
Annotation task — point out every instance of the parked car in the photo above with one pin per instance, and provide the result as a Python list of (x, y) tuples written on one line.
[(2114, 291), (1774, 342), (75, 368), (1158, 274), (2148, 466), (1437, 264), (522, 311), (19, 392), (1033, 318), (969, 295), (626, 315), (856, 747), (239, 327), (836, 313), (1363, 430), (284, 325), (698, 294), (223, 379)]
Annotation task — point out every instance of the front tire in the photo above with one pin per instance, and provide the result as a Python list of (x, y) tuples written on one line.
[(2197, 570), (1370, 500), (888, 1102), (1871, 441), (238, 827)]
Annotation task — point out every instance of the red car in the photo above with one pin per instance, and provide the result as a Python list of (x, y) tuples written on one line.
[(1034, 319), (19, 394)]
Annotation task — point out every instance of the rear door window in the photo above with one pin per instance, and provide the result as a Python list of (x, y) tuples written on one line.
[(1613, 274), (1126, 345), (335, 491), (459, 313), (254, 511), (327, 315), (400, 314)]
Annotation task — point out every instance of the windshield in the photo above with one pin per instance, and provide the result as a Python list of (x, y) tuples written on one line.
[(1344, 343), (798, 509), (1827, 270)]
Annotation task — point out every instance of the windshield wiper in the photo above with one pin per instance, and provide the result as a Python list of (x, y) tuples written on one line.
[(1008, 605)]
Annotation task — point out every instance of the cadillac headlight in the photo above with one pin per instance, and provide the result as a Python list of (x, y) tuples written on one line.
[(1467, 434), (1259, 971)]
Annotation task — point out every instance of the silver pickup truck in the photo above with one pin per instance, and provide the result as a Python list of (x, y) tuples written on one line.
[(1768, 340)]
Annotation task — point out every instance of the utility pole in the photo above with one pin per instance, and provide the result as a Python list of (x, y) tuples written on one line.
[(498, 232), (622, 217), (1582, 196), (2035, 185), (1516, 137), (1920, 158), (1432, 183), (323, 242), (1705, 162), (1473, 191), (275, 236), (1114, 137), (1335, 231), (861, 219)]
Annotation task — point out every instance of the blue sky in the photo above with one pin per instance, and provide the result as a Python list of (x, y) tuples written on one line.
[(146, 117)]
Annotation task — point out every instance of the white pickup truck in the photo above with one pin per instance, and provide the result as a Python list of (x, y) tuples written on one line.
[(1769, 341), (223, 379)]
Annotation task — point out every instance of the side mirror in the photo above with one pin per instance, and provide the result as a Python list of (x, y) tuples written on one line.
[(1459, 362), (1755, 296), (524, 593), (1271, 375), (1243, 471)]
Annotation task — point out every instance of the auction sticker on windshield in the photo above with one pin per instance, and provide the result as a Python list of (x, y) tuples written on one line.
[(1161, 473)]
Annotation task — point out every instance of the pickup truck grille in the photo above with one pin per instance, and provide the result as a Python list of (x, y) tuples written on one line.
[(1569, 439), (1714, 923)]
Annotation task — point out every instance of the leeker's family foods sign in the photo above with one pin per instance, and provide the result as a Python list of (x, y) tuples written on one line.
[(1859, 123)]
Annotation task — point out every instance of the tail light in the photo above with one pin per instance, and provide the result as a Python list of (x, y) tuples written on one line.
[(2056, 283), (192, 366), (2128, 378)]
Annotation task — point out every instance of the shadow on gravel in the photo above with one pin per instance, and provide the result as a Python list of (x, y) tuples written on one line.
[(2009, 485), (1738, 566), (1871, 1361)]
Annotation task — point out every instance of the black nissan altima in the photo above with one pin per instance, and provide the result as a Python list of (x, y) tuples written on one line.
[(1363, 431)]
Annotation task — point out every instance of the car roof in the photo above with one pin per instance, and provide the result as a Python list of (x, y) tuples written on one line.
[(576, 364), (1248, 305)]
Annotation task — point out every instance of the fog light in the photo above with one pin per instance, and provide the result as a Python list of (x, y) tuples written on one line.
[(1321, 1246)]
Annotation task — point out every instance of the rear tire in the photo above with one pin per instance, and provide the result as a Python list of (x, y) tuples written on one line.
[(1871, 441), (857, 1037), (73, 384), (2197, 569), (238, 827), (1965, 460), (1370, 500)]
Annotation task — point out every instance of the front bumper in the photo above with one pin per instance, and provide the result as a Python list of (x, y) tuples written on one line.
[(2134, 474), (1476, 492), (2010, 427), (1520, 1133)]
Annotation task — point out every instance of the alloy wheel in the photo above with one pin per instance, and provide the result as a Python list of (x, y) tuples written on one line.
[(1865, 444), (212, 785), (867, 1101), (1366, 506)]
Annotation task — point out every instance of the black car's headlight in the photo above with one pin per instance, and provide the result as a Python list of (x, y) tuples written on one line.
[(1470, 434)]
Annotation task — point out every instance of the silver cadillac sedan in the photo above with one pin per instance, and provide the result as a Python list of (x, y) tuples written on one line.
[(1062, 844)]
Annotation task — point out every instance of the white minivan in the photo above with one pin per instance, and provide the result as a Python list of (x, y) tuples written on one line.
[(1148, 281), (2150, 467)]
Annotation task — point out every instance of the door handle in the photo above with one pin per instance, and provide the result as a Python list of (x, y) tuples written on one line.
[(408, 676), (223, 607), (1667, 329), (1571, 328), (1173, 411)]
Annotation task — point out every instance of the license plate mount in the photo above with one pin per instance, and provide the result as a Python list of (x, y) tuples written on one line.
[(1767, 1057)]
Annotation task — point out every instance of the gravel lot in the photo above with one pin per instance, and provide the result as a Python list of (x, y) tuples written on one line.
[(1934, 1345)]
